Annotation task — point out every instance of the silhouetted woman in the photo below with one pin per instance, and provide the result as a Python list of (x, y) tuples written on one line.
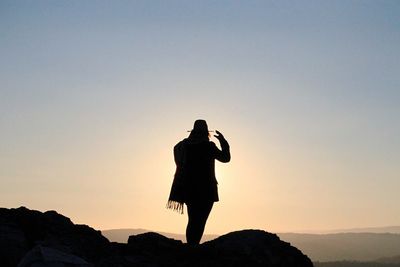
[(194, 181)]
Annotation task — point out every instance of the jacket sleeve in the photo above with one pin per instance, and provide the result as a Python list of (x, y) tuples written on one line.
[(223, 155), (179, 154)]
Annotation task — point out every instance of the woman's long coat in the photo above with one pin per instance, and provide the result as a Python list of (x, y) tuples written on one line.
[(194, 179)]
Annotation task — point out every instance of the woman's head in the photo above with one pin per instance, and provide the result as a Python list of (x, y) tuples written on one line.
[(200, 130)]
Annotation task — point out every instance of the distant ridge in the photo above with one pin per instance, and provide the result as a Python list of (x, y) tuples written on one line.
[(390, 260), (346, 246), (394, 229), (378, 230)]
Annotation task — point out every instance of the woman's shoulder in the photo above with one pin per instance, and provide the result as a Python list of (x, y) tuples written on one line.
[(187, 142), (180, 143)]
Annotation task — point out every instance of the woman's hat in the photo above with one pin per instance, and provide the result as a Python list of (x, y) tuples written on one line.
[(200, 126)]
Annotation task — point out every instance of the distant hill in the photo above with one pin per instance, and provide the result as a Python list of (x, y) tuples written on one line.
[(392, 260), (122, 235), (346, 246), (378, 230), (354, 264)]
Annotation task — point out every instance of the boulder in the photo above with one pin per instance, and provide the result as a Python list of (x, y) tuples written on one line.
[(13, 244), (41, 256), (254, 248), (241, 248), (22, 229)]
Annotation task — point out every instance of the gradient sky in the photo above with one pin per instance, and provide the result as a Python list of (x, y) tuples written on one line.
[(95, 94)]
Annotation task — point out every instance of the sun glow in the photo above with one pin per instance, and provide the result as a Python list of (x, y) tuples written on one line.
[(88, 127)]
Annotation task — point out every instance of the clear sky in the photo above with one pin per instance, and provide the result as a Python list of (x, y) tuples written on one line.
[(95, 94)]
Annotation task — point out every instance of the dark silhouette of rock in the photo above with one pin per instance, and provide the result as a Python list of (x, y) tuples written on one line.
[(22, 229), (41, 256), (254, 248), (27, 234), (241, 248), (13, 244)]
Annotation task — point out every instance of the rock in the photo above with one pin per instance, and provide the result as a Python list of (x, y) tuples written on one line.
[(24, 229), (254, 248), (41, 256), (26, 235), (241, 248), (13, 244), (153, 249)]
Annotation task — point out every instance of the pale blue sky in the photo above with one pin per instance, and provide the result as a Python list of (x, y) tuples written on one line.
[(94, 94)]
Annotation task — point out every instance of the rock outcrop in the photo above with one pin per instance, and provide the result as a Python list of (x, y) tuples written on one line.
[(45, 238), (22, 229)]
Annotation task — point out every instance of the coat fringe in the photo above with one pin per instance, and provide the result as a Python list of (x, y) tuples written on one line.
[(175, 206)]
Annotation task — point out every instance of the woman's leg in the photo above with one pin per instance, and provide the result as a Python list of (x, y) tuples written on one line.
[(197, 218)]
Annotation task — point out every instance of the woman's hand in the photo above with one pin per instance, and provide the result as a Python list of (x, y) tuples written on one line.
[(219, 136), (224, 154)]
